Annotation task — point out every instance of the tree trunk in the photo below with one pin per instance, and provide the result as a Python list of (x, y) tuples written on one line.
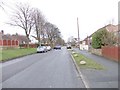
[(39, 41), (28, 41), (28, 46)]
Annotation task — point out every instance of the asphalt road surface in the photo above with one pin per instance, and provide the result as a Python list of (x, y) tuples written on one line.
[(53, 69)]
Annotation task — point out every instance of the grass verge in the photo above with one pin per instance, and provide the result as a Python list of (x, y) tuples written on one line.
[(14, 53), (90, 64)]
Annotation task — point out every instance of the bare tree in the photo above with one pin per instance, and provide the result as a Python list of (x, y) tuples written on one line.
[(60, 41), (39, 21), (110, 38), (71, 41), (1, 4), (52, 32), (22, 18), (44, 36)]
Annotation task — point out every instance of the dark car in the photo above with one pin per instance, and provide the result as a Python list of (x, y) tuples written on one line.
[(69, 47), (57, 47)]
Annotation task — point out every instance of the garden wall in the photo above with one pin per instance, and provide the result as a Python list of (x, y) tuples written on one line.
[(96, 51)]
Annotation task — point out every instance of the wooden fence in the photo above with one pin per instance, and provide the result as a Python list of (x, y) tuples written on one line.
[(111, 52)]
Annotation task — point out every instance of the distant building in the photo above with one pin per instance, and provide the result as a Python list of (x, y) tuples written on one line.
[(7, 40), (21, 38), (84, 45)]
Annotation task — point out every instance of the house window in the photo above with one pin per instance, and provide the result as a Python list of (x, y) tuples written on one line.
[(23, 42)]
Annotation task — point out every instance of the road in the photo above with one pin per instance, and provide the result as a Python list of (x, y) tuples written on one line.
[(53, 69)]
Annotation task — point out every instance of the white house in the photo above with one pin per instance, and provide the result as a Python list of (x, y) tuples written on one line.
[(84, 45)]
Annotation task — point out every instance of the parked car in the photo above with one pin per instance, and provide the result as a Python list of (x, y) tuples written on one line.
[(69, 47), (41, 49), (48, 48), (57, 47)]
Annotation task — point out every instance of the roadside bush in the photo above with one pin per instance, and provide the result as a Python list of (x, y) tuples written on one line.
[(99, 37)]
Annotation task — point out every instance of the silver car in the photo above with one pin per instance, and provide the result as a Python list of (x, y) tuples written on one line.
[(41, 49), (48, 48)]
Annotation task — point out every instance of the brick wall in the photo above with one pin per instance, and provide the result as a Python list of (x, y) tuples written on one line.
[(9, 43), (111, 52)]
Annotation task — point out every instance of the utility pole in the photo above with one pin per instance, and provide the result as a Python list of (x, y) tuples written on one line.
[(78, 32)]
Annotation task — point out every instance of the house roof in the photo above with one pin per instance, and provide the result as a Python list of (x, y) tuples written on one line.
[(110, 28), (20, 38), (7, 37)]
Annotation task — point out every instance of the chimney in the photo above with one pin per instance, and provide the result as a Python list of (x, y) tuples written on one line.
[(16, 34), (2, 32)]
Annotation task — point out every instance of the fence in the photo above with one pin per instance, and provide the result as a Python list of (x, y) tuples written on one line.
[(111, 52)]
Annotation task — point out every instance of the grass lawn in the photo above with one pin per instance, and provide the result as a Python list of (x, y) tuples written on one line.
[(13, 53), (90, 64)]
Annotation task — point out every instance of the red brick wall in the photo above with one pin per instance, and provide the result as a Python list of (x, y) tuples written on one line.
[(4, 42), (9, 43), (17, 43), (111, 52), (13, 42)]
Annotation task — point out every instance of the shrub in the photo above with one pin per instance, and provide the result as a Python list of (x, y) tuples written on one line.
[(98, 38)]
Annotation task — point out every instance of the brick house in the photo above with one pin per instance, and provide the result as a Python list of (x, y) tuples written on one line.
[(21, 38), (86, 43), (109, 28), (111, 52), (7, 40)]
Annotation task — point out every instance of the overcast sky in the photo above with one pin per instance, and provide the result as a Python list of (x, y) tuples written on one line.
[(92, 14)]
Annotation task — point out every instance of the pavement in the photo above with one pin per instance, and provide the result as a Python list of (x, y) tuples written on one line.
[(53, 69), (107, 78)]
